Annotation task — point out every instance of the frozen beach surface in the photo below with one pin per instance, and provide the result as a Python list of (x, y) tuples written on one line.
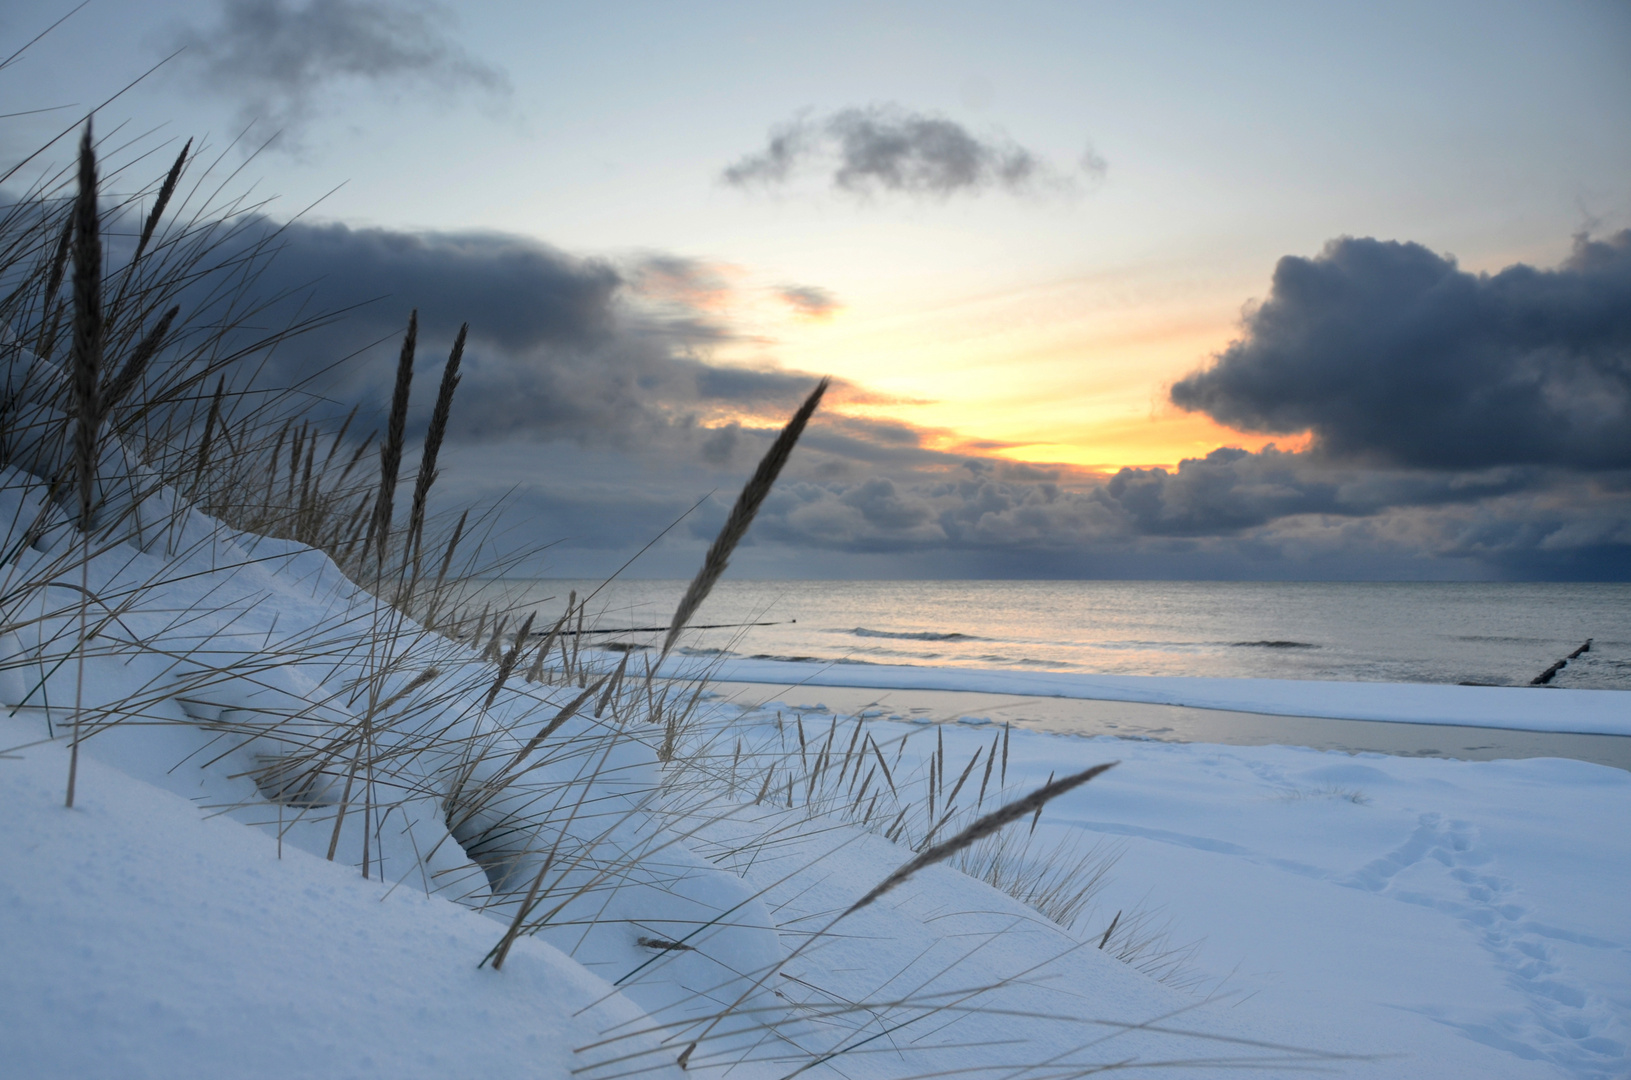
[(1434, 918), (1428, 907), (1594, 712)]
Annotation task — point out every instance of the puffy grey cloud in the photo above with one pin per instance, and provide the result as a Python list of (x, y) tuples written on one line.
[(1230, 490), (515, 292), (1391, 353), (1230, 514), (811, 301), (561, 347), (884, 148), (617, 420), (587, 393), (279, 59), (918, 525)]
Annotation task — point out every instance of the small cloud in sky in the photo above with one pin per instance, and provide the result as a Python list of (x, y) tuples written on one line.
[(884, 148), (675, 279), (280, 59), (1093, 164), (810, 301)]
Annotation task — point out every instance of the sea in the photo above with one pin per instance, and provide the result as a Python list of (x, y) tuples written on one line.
[(1503, 634)]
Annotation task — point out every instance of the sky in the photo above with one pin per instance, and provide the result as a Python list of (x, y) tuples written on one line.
[(1169, 290)]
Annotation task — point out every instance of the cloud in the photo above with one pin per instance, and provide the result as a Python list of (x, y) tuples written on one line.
[(515, 292), (1391, 353), (1093, 164), (884, 148), (914, 522), (1231, 514), (691, 283), (280, 60), (1230, 491), (810, 301), (590, 392), (561, 347)]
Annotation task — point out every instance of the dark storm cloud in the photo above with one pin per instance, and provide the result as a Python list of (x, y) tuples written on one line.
[(889, 149), (560, 347), (1230, 490), (966, 522), (583, 361), (910, 514), (517, 293), (279, 59), (1391, 353), (1231, 514), (584, 390)]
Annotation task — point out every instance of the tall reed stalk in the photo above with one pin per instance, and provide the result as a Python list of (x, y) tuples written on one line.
[(85, 376), (390, 458), (741, 516), (433, 445)]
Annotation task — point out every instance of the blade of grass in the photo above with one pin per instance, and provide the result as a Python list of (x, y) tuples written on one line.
[(741, 516)]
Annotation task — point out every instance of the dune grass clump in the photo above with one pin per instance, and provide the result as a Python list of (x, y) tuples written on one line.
[(849, 771), (469, 752)]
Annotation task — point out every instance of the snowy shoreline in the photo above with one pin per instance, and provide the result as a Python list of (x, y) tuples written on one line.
[(1520, 708)]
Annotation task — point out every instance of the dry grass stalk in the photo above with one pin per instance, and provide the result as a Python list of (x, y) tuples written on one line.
[(390, 455), (532, 744), (741, 516), (166, 191), (447, 564), (536, 672), (433, 445), (1105, 940), (46, 341), (887, 775), (577, 643), (507, 665), (123, 383), (87, 365), (210, 422), (981, 828), (951, 799), (1037, 817), (87, 348), (615, 684)]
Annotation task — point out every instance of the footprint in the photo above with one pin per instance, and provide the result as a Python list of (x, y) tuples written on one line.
[(1565, 1022)]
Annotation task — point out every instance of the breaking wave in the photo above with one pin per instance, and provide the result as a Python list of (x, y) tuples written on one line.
[(922, 635), (1272, 645)]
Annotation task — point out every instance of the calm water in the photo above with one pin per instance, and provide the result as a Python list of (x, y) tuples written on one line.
[(1386, 632)]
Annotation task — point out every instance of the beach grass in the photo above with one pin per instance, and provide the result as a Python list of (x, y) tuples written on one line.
[(530, 731)]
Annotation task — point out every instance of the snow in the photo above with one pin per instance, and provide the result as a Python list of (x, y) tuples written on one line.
[(1415, 897), (1590, 712), (1442, 918), (1463, 918), (215, 905), (143, 939)]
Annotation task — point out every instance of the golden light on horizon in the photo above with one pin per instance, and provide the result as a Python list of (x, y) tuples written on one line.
[(1149, 442), (1073, 371)]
